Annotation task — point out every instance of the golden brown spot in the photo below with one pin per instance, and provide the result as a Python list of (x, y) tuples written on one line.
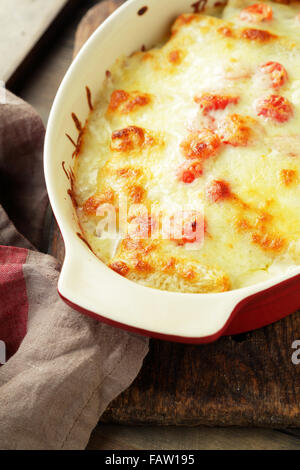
[(242, 225), (262, 220), (259, 35), (183, 20), (117, 98), (186, 18), (268, 242), (126, 103), (201, 144), (128, 172), (169, 266), (120, 267), (147, 56), (259, 232), (188, 274), (175, 57), (136, 193), (138, 101), (132, 245), (143, 266), (91, 205), (128, 139), (224, 284), (226, 31), (288, 177), (136, 246), (235, 130), (218, 190)]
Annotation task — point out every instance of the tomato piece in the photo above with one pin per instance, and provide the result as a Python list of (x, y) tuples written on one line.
[(188, 172), (200, 144), (234, 130), (218, 190), (257, 13), (277, 73), (210, 102), (259, 35), (288, 176), (275, 107)]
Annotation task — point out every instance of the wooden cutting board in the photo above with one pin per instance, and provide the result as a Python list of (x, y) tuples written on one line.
[(246, 380)]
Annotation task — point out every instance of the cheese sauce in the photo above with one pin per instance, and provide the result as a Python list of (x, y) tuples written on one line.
[(206, 126)]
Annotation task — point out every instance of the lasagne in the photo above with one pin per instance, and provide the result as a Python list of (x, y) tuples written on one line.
[(186, 174)]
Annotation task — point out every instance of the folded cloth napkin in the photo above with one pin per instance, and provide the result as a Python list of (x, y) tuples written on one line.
[(63, 368)]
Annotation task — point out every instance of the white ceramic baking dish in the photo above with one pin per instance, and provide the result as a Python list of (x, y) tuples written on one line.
[(85, 282)]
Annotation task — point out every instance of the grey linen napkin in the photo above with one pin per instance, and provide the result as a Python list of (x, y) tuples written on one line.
[(68, 367)]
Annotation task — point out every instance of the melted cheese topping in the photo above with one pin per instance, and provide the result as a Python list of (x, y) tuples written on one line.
[(206, 123), (285, 18)]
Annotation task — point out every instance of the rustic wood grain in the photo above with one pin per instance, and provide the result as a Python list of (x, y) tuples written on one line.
[(117, 437), (248, 380), (94, 17)]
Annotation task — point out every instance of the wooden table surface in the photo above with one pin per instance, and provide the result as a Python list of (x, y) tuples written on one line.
[(39, 89)]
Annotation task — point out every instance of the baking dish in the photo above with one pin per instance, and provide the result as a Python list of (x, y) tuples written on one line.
[(86, 283)]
